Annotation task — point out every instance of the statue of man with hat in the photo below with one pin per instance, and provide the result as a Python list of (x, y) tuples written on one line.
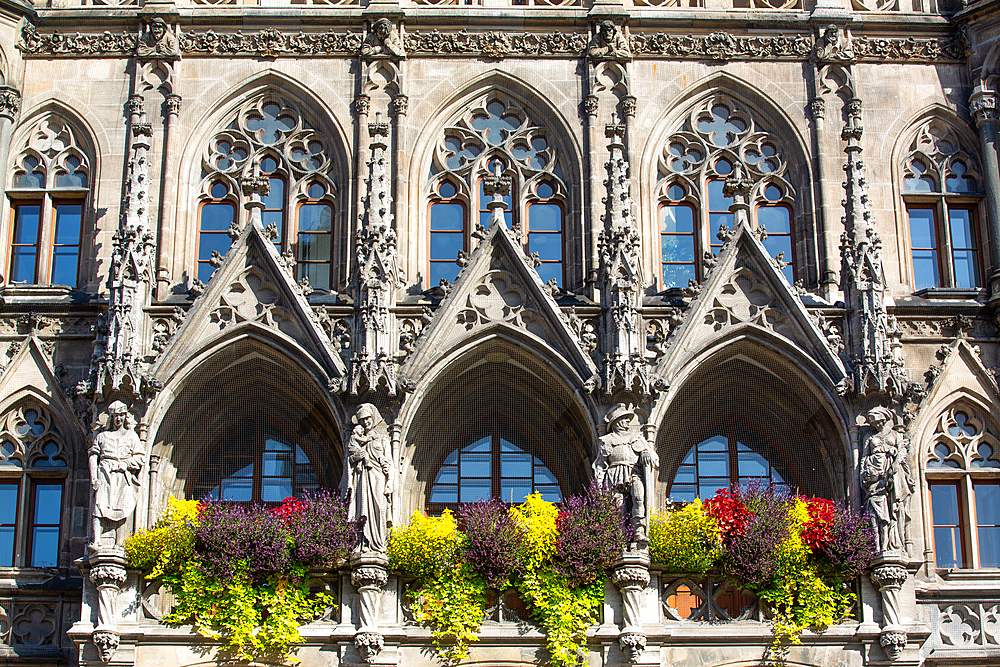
[(625, 464), (116, 458)]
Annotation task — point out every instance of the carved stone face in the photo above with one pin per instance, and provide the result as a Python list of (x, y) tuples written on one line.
[(622, 424), (118, 420), (382, 29), (366, 423), (158, 29), (608, 31)]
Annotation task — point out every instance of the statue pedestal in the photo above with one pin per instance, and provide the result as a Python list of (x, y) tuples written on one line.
[(889, 574), (369, 574), (631, 575), (98, 635)]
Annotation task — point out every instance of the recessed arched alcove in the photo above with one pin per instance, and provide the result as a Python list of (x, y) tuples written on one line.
[(746, 413), (248, 423), (498, 392)]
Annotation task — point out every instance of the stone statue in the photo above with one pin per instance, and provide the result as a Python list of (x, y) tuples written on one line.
[(383, 40), (625, 464), (116, 459), (887, 479), (831, 46), (157, 40), (369, 472), (609, 43)]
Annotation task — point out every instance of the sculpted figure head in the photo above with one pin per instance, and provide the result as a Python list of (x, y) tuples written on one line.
[(608, 31), (383, 28), (157, 28), (620, 418)]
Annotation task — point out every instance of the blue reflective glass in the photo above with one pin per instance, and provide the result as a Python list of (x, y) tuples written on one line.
[(26, 223), (677, 247), (677, 275), (48, 503), (315, 218), (209, 242), (447, 217), (64, 265), (677, 219), (922, 234), (217, 217), (68, 217), (925, 269), (314, 247), (547, 245), (544, 218), (550, 271), (22, 265), (716, 200), (45, 546), (445, 245), (775, 219), (442, 271), (6, 546)]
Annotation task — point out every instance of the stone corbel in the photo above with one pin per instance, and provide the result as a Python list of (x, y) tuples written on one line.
[(369, 574), (889, 575), (108, 574), (631, 576)]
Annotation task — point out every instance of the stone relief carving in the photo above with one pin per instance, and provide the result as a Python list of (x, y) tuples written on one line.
[(53, 154), (10, 102), (33, 624), (106, 43), (745, 298), (164, 328), (157, 40), (29, 437), (490, 44), (722, 46), (963, 440), (383, 41), (888, 481), (116, 458), (498, 298), (252, 297), (369, 477), (909, 49), (960, 625), (609, 43), (834, 45), (627, 463), (271, 42)]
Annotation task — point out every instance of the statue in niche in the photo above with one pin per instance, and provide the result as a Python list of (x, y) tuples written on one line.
[(831, 46), (157, 40), (887, 480), (609, 43), (383, 40), (626, 464), (116, 458), (369, 472)]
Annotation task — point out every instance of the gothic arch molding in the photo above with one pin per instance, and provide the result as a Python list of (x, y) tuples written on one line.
[(536, 100), (502, 380)]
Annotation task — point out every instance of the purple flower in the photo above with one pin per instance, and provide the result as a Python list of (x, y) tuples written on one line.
[(494, 543), (592, 535), (750, 557), (851, 547), (231, 537), (322, 537)]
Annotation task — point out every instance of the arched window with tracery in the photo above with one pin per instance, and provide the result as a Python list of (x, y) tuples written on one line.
[(722, 462), (49, 192), (271, 136), (963, 480), (717, 136), (33, 467), (496, 134), (942, 193)]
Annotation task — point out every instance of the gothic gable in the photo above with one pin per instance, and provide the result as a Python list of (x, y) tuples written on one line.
[(252, 287), (31, 370), (498, 289), (962, 372), (746, 291)]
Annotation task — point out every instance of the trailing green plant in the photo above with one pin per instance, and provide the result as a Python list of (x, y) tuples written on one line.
[(450, 596), (685, 540), (237, 573)]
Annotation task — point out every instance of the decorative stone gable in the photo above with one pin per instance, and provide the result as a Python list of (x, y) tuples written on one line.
[(251, 287), (746, 290), (31, 371), (498, 289)]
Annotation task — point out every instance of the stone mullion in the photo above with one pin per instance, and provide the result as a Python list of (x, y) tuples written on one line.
[(595, 179), (400, 107), (167, 218), (10, 105), (983, 105)]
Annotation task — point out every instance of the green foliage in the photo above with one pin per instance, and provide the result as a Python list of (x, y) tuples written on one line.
[(169, 544), (453, 605), (254, 620), (685, 540), (425, 548), (564, 613)]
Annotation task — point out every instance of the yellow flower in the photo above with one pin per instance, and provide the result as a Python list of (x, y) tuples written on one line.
[(537, 518), (426, 546)]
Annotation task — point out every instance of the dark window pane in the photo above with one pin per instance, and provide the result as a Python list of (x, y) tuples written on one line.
[(987, 504), (64, 265), (515, 491), (32, 180), (966, 269), (314, 247), (217, 217), (447, 217), (315, 218), (473, 490), (947, 526), (545, 218), (68, 217), (317, 273)]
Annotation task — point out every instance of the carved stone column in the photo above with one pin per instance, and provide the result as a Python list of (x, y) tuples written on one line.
[(631, 576), (108, 575), (168, 216), (889, 575), (10, 106), (369, 574), (983, 105), (152, 507), (591, 104), (738, 186)]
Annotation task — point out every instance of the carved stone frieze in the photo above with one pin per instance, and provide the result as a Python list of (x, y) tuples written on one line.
[(107, 43), (252, 297), (908, 49), (271, 42), (492, 45), (722, 46)]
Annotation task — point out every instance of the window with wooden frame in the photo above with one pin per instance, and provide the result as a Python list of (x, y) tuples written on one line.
[(271, 137), (490, 467), (33, 469), (496, 135), (264, 469), (721, 462), (48, 194), (942, 195), (693, 167), (963, 479)]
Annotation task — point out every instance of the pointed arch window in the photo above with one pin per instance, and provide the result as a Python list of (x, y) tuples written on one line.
[(491, 467), (963, 478), (271, 136), (33, 468), (692, 171), (942, 193), (496, 133), (721, 462), (269, 471), (49, 190)]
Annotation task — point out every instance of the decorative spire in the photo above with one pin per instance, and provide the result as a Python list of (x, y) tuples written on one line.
[(624, 366), (496, 187), (376, 277), (118, 356), (878, 362)]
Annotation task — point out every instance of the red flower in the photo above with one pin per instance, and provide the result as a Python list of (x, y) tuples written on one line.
[(729, 512), (817, 531), (289, 507)]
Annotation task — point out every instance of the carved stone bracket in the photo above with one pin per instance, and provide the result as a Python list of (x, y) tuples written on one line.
[(108, 575), (10, 102), (369, 574), (889, 575), (631, 576)]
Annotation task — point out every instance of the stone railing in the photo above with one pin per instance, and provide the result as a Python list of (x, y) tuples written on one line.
[(706, 598)]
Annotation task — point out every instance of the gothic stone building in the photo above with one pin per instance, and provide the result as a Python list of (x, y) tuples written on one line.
[(753, 221)]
